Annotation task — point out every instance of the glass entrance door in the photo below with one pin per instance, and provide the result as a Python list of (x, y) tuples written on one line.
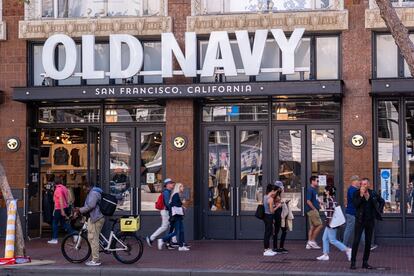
[(233, 179)]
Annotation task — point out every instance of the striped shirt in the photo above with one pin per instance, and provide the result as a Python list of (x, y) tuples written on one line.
[(330, 204)]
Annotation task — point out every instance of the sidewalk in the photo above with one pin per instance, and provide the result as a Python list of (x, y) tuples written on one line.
[(220, 258)]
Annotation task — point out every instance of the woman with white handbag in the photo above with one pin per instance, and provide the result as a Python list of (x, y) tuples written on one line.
[(176, 218), (334, 219)]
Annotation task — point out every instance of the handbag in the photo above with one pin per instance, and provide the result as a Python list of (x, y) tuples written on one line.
[(338, 218), (260, 212), (177, 211)]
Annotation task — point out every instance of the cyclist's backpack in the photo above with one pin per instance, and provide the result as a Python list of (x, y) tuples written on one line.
[(107, 204), (159, 204)]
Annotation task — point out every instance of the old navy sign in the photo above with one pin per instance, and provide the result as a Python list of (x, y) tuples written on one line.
[(219, 42)]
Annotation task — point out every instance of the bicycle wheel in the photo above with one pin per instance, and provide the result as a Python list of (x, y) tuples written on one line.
[(134, 250), (76, 252)]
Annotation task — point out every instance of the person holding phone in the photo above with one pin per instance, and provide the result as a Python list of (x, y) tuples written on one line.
[(278, 204)]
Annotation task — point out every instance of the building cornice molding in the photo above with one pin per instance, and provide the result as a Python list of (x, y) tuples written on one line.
[(42, 29), (288, 21), (373, 18)]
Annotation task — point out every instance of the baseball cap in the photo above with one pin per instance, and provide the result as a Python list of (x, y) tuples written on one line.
[(279, 184), (168, 181)]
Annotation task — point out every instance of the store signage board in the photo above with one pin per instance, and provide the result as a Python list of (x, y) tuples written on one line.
[(385, 175), (219, 41)]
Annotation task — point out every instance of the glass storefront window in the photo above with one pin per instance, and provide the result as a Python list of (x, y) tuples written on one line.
[(101, 63), (38, 80), (251, 169), (407, 73), (386, 56), (302, 59), (219, 171), (120, 172), (134, 113), (69, 114), (152, 61), (314, 110), (389, 155), (327, 60), (237, 112), (151, 169), (62, 62), (409, 121), (271, 59)]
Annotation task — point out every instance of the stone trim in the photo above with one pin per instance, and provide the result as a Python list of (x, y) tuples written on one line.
[(42, 29), (288, 21), (373, 18)]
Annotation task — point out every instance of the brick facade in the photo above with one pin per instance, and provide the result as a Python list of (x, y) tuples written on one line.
[(13, 62)]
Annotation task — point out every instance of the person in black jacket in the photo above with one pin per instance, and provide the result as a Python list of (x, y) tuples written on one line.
[(366, 203)]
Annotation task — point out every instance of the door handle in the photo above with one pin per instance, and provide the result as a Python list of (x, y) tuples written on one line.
[(231, 202), (237, 201), (303, 200)]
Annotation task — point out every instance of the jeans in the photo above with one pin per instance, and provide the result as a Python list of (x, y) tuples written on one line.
[(329, 236), (58, 218), (268, 221), (368, 226), (178, 231), (278, 226), (94, 230), (164, 225), (349, 231)]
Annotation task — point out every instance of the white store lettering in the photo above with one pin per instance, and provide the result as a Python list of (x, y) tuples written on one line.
[(251, 57)]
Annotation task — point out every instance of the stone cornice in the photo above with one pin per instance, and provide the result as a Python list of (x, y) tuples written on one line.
[(42, 29), (288, 21), (373, 18), (3, 35)]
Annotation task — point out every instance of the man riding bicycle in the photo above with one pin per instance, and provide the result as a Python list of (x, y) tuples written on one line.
[(95, 222)]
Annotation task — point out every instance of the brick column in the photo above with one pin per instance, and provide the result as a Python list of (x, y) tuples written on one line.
[(180, 112), (13, 114), (357, 103)]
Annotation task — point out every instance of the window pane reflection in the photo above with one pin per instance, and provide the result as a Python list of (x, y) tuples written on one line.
[(388, 155), (251, 153), (151, 169), (290, 166), (323, 110), (219, 171), (410, 155), (239, 112), (120, 170)]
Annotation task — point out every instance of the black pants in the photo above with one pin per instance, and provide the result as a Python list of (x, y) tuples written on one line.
[(268, 221), (359, 228), (278, 227)]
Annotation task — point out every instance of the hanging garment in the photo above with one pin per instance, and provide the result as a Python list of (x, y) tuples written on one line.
[(61, 156), (48, 206), (74, 157)]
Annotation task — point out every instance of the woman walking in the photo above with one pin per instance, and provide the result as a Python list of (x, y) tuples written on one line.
[(269, 207), (176, 218), (329, 235)]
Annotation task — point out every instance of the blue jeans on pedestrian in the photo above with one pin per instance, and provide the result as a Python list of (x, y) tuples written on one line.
[(329, 236), (58, 218), (349, 231), (178, 231)]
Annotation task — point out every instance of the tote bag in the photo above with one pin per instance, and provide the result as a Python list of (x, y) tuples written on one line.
[(338, 218), (260, 211), (177, 211)]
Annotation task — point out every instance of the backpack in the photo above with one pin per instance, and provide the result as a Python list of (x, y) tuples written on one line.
[(107, 204), (159, 204)]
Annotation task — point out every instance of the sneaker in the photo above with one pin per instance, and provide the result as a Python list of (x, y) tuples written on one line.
[(283, 251), (170, 247), (308, 246), (314, 245), (174, 244), (373, 247), (53, 241), (160, 244), (149, 241), (323, 258), (183, 248), (348, 253), (92, 263), (269, 253)]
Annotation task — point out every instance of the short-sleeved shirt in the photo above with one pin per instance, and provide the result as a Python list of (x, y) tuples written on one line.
[(60, 192), (312, 195)]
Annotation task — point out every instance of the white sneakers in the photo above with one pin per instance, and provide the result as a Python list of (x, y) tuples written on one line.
[(93, 263), (160, 243), (323, 258), (183, 248), (53, 241), (269, 253), (348, 253), (312, 245)]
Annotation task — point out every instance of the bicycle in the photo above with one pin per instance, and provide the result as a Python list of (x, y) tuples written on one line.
[(77, 249)]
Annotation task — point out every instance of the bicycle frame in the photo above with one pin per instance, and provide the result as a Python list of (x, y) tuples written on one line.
[(103, 239)]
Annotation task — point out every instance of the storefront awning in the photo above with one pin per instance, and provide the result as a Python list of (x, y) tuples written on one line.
[(125, 92), (392, 87)]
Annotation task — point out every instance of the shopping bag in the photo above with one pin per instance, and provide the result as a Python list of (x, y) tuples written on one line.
[(260, 211), (179, 211), (338, 218)]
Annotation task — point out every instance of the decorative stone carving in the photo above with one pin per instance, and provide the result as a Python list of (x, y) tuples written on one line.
[(288, 21), (42, 29), (373, 18)]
